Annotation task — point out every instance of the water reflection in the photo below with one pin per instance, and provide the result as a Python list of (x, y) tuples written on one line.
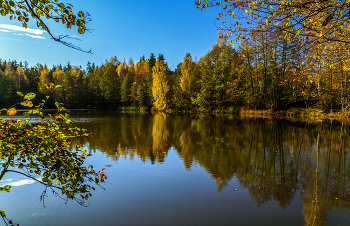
[(273, 159)]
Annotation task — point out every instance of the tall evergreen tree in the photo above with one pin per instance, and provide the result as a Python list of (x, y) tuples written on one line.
[(152, 61)]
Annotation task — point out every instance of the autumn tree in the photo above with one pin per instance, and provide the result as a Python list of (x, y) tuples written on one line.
[(141, 72), (319, 25), (160, 87), (187, 77), (58, 76), (22, 79), (45, 78), (177, 99)]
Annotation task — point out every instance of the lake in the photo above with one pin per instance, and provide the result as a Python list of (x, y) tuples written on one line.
[(200, 170)]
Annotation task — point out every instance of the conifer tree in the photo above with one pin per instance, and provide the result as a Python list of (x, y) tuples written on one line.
[(142, 95), (186, 78), (6, 91), (152, 61), (126, 89), (109, 80)]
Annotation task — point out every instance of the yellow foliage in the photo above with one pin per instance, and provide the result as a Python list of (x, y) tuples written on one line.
[(44, 78), (75, 71), (160, 135), (57, 74), (19, 70), (121, 70), (141, 70), (160, 86)]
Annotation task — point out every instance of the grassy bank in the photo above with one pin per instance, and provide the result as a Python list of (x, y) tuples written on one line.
[(304, 114), (128, 109), (292, 114)]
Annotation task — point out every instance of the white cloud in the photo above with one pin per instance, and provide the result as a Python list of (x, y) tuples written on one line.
[(18, 182), (9, 27), (21, 182), (36, 36), (5, 30), (37, 214)]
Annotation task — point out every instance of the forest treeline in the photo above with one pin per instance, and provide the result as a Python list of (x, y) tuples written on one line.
[(263, 73)]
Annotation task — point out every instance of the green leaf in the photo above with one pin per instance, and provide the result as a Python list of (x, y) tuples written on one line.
[(58, 105), (81, 30), (20, 94), (70, 195), (81, 14), (29, 96)]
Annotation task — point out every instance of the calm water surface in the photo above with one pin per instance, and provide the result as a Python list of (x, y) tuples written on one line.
[(200, 170)]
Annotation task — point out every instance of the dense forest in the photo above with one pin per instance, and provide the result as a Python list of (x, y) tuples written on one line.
[(263, 73)]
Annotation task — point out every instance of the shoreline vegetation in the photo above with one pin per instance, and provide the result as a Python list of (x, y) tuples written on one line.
[(310, 115), (296, 114), (293, 114)]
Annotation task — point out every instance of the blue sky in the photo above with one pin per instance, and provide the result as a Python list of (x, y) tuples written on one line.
[(120, 28)]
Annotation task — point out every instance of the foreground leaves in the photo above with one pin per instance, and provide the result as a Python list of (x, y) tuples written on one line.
[(43, 152)]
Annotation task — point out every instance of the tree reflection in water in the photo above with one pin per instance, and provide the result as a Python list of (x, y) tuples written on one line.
[(273, 159)]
